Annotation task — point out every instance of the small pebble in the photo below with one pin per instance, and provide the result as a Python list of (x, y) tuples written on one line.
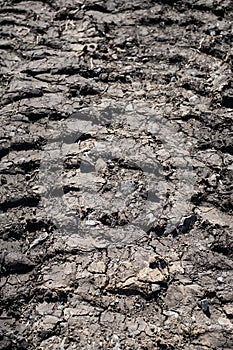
[(129, 107), (39, 240), (193, 99), (90, 223), (155, 287), (193, 319), (204, 305)]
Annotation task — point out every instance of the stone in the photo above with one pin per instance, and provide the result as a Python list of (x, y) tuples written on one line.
[(205, 305), (170, 313), (155, 287), (193, 99), (91, 223), (39, 240), (129, 107), (220, 280)]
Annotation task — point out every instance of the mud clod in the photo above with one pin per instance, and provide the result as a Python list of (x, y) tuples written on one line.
[(14, 262)]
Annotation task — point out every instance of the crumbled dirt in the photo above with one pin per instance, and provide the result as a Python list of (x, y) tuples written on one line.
[(116, 174)]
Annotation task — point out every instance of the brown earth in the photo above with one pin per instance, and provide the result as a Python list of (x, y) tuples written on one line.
[(116, 174)]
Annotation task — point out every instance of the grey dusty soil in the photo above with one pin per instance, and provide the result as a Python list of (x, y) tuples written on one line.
[(116, 174)]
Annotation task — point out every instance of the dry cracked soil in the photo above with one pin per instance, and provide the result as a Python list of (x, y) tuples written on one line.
[(116, 168)]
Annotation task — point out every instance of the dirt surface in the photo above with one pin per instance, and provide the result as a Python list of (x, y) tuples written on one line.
[(116, 174)]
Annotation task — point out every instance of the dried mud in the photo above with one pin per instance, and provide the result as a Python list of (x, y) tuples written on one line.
[(129, 263)]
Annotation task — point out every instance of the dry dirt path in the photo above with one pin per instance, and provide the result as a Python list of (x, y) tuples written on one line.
[(116, 174)]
